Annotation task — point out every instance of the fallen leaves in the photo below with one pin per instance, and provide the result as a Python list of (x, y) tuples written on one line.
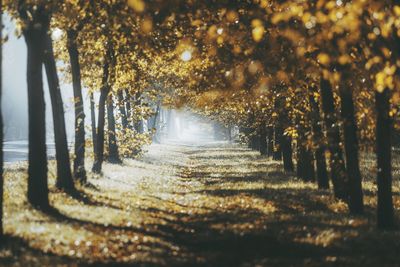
[(176, 201)]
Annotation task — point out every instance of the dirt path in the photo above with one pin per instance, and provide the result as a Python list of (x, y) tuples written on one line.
[(183, 205)]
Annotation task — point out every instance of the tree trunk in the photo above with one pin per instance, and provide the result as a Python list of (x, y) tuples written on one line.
[(384, 160), (255, 140), (113, 154), (270, 151), (287, 152), (305, 162), (121, 107), (99, 156), (278, 132), (356, 204), (64, 176), (35, 36), (263, 139), (320, 158), (338, 171), (93, 122), (128, 107), (79, 160)]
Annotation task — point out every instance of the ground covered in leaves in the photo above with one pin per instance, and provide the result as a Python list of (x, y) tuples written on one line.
[(187, 205)]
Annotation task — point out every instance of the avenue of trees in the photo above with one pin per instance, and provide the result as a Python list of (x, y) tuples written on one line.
[(310, 83)]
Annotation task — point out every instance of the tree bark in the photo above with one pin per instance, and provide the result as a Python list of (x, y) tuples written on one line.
[(320, 158), (128, 107), (93, 122), (64, 176), (287, 153), (255, 140), (122, 110), (356, 204), (79, 160), (35, 36), (278, 132), (99, 156), (263, 139), (113, 154), (385, 216), (270, 151), (305, 162), (338, 171)]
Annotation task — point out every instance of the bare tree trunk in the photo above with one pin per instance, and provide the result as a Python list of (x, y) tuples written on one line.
[(356, 204), (79, 160), (338, 171), (93, 122), (113, 154), (128, 107), (278, 132), (105, 90), (263, 139), (35, 36), (287, 153), (384, 160), (122, 110), (64, 176), (99, 156), (270, 152), (320, 158)]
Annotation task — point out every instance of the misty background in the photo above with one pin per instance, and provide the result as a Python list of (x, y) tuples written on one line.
[(15, 102)]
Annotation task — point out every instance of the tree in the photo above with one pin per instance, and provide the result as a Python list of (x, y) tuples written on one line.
[(64, 177), (35, 32)]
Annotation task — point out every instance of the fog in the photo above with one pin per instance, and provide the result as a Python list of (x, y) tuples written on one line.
[(173, 125), (15, 102)]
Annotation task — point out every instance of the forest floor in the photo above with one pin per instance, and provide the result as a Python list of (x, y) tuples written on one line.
[(183, 205)]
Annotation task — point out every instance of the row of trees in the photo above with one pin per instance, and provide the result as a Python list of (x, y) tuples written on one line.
[(318, 76), (285, 72)]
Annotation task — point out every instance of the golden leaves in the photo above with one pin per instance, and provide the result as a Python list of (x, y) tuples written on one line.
[(147, 25), (323, 59), (137, 5), (384, 79), (258, 30)]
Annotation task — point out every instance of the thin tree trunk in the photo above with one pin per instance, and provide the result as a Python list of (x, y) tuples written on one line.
[(305, 162), (99, 156), (128, 107), (113, 154), (384, 160), (300, 168), (270, 152), (287, 153), (338, 171), (93, 122), (79, 160), (278, 132), (356, 204), (255, 140), (121, 107), (37, 171), (320, 158), (263, 139), (64, 176)]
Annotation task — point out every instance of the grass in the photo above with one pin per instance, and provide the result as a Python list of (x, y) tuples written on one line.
[(183, 206)]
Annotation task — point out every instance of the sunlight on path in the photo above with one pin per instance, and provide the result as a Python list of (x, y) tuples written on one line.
[(214, 204)]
